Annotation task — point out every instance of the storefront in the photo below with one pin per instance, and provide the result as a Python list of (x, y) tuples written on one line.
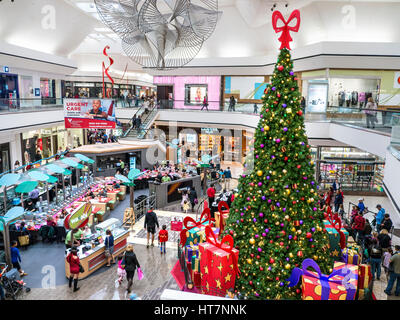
[(8, 90), (188, 92), (48, 90), (343, 91), (49, 141), (356, 170), (5, 163)]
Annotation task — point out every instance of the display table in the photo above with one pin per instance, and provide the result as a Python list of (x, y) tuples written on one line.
[(95, 258)]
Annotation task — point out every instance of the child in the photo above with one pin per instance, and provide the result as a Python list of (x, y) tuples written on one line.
[(163, 238), (121, 271), (386, 261), (16, 258), (186, 206), (341, 211)]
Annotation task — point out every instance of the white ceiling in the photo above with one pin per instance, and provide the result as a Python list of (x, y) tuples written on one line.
[(244, 29)]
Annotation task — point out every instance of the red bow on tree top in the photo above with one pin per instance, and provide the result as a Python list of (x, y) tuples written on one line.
[(285, 38)]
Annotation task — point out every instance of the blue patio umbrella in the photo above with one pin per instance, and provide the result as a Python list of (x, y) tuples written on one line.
[(83, 158), (7, 180), (38, 176), (122, 178), (70, 162), (55, 168)]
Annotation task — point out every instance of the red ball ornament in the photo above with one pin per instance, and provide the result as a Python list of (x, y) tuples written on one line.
[(308, 235), (280, 68), (270, 241), (312, 246), (261, 269), (299, 112), (231, 232), (286, 158), (271, 260), (252, 255), (283, 232), (281, 244), (241, 220), (278, 95), (298, 166), (251, 283), (294, 202), (295, 238), (258, 257), (298, 291), (300, 253)]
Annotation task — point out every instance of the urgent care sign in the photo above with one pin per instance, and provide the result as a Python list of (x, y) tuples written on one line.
[(89, 114)]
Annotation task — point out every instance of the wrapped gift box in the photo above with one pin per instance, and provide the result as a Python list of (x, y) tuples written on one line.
[(196, 279), (189, 266), (190, 251), (195, 264), (364, 294), (225, 215), (217, 268), (341, 284), (351, 256), (334, 240), (195, 235), (364, 276)]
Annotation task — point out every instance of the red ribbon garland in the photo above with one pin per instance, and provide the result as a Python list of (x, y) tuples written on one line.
[(189, 223), (221, 204), (105, 70), (285, 38), (336, 223), (212, 239)]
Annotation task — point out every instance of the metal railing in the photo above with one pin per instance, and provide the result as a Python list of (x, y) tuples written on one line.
[(29, 104), (145, 205)]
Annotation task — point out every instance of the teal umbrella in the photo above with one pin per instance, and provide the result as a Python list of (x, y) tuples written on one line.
[(26, 186), (122, 178), (84, 158), (55, 168), (14, 213), (7, 180), (70, 162), (132, 175), (38, 176), (67, 172), (52, 179), (80, 166)]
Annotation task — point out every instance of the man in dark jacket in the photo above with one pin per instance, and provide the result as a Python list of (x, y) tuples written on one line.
[(387, 223), (150, 223), (338, 200), (192, 197)]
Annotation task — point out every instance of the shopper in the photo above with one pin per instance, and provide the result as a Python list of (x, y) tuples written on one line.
[(361, 206), (341, 211), (211, 195), (358, 227), (228, 177), (185, 198), (255, 110), (370, 112), (150, 223), (205, 103), (109, 247), (386, 262), (384, 240), (338, 200), (16, 258), (386, 223), (73, 238), (379, 217), (367, 228), (163, 238), (232, 103), (130, 264), (395, 273), (121, 271), (193, 197), (375, 252), (34, 195), (74, 268)]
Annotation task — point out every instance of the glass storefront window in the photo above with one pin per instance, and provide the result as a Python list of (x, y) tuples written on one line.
[(5, 157)]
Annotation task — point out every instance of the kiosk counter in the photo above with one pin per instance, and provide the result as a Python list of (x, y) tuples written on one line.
[(92, 251)]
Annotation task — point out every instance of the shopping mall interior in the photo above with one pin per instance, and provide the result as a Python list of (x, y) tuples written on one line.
[(200, 150)]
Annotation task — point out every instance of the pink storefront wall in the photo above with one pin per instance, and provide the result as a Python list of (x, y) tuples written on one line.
[(179, 82)]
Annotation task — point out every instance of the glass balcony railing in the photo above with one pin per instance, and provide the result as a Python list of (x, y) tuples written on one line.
[(34, 104)]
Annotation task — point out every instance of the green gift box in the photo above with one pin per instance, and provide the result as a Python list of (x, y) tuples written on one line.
[(334, 240)]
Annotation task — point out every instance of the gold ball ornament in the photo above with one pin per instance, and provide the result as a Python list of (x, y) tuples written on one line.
[(289, 110)]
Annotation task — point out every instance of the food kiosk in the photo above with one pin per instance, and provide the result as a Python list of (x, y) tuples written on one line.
[(91, 252)]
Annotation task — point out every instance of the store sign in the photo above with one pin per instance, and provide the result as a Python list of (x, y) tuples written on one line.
[(396, 80), (80, 217), (6, 69), (89, 114)]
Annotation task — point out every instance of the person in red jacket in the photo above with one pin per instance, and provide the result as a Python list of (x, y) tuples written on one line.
[(211, 195), (163, 238), (358, 226), (74, 263)]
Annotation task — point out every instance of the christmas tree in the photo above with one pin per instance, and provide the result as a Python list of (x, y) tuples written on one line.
[(274, 219)]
